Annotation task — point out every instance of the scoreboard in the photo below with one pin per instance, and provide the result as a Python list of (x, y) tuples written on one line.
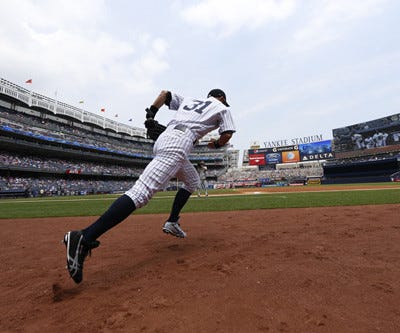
[(314, 151)]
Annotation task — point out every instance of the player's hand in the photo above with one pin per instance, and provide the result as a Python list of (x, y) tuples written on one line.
[(150, 123), (151, 112), (213, 144)]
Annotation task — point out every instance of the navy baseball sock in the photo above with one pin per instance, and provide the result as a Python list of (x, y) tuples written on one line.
[(118, 211), (181, 198)]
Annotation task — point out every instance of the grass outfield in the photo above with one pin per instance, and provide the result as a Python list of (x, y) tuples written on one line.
[(219, 200)]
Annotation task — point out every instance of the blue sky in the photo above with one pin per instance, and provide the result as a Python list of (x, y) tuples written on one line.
[(290, 68)]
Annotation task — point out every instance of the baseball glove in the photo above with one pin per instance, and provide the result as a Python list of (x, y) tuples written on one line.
[(154, 129)]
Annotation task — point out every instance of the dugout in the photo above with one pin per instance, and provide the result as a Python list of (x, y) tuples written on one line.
[(360, 171), (14, 193)]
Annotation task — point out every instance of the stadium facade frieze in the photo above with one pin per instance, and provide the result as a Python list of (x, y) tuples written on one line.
[(293, 141)]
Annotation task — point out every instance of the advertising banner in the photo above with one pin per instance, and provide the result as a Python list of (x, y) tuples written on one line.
[(316, 151), (257, 159), (273, 158), (291, 154)]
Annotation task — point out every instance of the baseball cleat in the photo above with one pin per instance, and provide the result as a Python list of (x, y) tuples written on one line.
[(77, 251), (174, 229)]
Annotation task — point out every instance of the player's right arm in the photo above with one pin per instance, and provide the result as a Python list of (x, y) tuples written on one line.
[(226, 130)]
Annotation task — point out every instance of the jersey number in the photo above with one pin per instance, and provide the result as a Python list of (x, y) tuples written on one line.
[(197, 106)]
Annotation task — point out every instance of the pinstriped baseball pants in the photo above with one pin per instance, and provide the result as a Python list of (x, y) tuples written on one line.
[(171, 152)]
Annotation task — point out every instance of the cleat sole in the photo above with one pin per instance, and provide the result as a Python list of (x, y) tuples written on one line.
[(170, 233)]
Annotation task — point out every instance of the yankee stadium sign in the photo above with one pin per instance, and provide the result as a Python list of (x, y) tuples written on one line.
[(294, 141)]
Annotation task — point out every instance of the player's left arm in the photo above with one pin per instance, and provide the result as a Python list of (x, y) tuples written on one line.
[(163, 98)]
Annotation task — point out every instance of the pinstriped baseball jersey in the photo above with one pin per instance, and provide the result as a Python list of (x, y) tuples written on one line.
[(194, 118), (201, 116)]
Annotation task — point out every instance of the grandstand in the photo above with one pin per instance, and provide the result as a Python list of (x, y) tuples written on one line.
[(365, 152), (51, 148)]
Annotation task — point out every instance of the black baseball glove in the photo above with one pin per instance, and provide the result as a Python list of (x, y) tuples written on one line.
[(154, 129)]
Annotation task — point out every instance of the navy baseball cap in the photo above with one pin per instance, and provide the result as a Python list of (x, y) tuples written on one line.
[(218, 93)]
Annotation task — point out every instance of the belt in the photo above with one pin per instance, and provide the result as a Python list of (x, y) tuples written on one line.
[(183, 128)]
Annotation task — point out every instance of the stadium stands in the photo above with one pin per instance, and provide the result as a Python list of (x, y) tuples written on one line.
[(69, 152), (365, 152), (51, 148)]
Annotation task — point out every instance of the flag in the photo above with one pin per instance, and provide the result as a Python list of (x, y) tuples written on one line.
[(103, 110), (81, 102), (28, 81), (116, 115)]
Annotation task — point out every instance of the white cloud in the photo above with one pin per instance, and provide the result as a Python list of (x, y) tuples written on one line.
[(111, 55), (362, 79), (65, 43), (150, 64), (228, 16), (330, 20)]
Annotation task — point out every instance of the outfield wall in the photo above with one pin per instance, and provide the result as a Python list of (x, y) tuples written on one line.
[(364, 171)]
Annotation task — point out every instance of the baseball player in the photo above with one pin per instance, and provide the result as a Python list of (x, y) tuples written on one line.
[(193, 119), (358, 140), (369, 142), (202, 170), (380, 139)]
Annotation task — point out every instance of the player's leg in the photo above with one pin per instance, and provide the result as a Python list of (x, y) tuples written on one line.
[(170, 152), (116, 213), (190, 178), (80, 242), (139, 195), (205, 185), (188, 174)]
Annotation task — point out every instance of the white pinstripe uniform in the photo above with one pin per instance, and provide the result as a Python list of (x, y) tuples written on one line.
[(194, 118)]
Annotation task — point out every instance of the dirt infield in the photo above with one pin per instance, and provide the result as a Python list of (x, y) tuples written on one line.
[(280, 270)]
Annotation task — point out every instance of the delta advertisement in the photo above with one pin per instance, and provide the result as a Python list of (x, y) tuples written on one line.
[(314, 151)]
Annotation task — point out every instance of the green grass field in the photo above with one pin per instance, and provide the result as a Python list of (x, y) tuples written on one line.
[(219, 200)]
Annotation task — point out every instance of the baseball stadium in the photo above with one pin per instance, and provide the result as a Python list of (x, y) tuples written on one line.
[(300, 237)]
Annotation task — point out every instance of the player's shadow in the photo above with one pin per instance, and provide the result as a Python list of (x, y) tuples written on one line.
[(60, 294), (173, 252)]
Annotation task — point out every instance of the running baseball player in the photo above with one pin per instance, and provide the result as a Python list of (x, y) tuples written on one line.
[(193, 119), (202, 170)]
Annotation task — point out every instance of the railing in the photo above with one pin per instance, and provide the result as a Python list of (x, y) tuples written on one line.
[(31, 98)]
